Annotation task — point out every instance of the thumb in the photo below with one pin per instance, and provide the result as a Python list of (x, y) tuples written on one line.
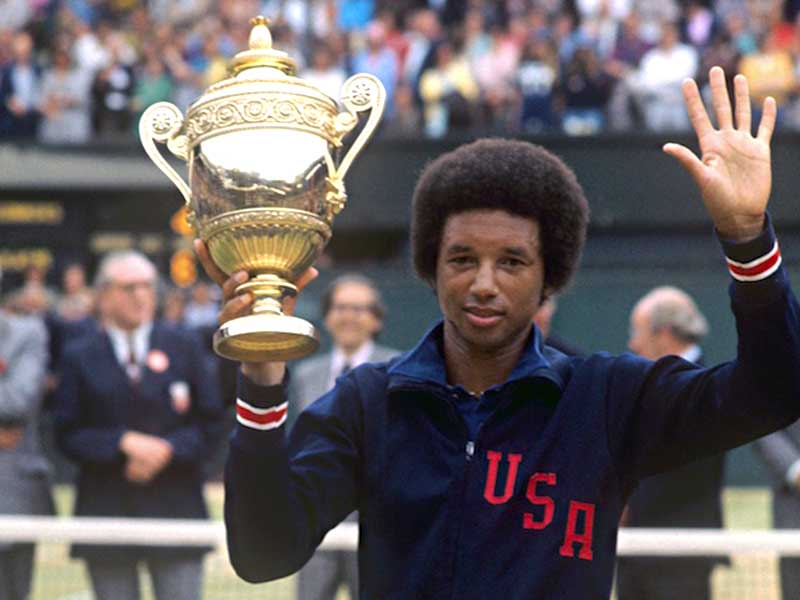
[(688, 161)]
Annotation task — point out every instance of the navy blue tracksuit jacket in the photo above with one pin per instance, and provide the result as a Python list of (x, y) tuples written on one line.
[(528, 506)]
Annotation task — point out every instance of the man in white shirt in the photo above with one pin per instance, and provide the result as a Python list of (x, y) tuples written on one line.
[(658, 83)]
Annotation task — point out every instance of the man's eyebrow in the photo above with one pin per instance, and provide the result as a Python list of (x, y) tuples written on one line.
[(457, 248), (517, 251)]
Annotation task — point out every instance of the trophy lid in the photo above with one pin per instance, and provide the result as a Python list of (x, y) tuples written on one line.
[(261, 52)]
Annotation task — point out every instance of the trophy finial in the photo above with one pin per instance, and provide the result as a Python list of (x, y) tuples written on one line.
[(261, 53), (260, 36)]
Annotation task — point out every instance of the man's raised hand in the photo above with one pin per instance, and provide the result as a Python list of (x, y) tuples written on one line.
[(733, 171)]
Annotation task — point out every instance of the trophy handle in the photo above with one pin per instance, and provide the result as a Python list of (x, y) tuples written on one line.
[(162, 122), (359, 93)]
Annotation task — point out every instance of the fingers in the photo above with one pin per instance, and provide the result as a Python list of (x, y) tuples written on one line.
[(306, 277), (231, 283), (237, 306), (688, 161), (768, 116), (694, 106), (743, 111), (216, 274), (720, 99)]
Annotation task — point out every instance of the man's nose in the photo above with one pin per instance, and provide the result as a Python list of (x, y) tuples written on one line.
[(485, 283)]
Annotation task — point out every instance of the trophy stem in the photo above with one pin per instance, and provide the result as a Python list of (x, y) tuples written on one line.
[(269, 291)]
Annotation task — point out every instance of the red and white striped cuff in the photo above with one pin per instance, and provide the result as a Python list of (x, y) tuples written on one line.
[(261, 418), (757, 269)]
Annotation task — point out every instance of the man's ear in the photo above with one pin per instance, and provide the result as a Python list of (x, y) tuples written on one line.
[(546, 293)]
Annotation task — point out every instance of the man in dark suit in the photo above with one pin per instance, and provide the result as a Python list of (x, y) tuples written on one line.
[(140, 415), (24, 471), (353, 312), (666, 322)]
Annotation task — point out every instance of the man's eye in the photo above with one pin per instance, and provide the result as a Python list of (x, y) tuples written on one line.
[(511, 262), (460, 260)]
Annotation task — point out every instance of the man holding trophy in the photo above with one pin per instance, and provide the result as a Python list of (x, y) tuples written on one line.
[(481, 462)]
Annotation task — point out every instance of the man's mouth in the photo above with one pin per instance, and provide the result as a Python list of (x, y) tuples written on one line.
[(482, 316)]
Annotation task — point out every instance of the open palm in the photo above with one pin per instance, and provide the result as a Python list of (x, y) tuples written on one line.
[(733, 172)]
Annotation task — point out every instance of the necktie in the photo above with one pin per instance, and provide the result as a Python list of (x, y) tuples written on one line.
[(345, 369), (132, 365)]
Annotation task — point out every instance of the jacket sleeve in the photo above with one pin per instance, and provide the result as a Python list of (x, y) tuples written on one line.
[(666, 413), (22, 381), (282, 496)]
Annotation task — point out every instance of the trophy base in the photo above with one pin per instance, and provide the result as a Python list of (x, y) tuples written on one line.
[(266, 337)]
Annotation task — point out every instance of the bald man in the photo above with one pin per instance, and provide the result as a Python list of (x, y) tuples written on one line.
[(665, 322)]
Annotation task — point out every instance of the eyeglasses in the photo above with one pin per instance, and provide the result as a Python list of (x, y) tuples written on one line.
[(359, 309)]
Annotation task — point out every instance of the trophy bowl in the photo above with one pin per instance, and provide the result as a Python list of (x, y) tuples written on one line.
[(264, 182)]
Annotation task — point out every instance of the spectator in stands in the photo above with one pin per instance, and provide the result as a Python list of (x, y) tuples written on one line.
[(622, 68), (65, 103), (698, 24), (111, 94), (379, 60), (15, 14), (140, 414), (186, 83), (666, 322), (771, 72), (395, 37), (326, 71), (494, 72), (449, 92), (424, 31), (537, 80), (654, 14), (153, 84), (585, 89), (477, 41), (741, 35), (19, 90), (658, 85), (24, 471), (353, 311)]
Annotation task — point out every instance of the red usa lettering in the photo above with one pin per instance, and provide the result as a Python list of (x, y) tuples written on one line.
[(580, 516)]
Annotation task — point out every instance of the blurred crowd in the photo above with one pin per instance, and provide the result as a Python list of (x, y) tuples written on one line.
[(73, 71)]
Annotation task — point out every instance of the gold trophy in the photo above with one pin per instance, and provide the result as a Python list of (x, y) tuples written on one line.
[(264, 184)]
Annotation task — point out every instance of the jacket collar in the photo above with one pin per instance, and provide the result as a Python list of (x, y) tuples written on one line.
[(424, 364)]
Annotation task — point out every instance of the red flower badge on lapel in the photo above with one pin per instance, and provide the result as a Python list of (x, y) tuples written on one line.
[(157, 361), (180, 396), (3, 366)]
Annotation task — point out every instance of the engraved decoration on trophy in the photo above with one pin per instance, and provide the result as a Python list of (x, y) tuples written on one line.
[(264, 185)]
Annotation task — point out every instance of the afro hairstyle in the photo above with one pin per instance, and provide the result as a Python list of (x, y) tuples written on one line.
[(499, 174)]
